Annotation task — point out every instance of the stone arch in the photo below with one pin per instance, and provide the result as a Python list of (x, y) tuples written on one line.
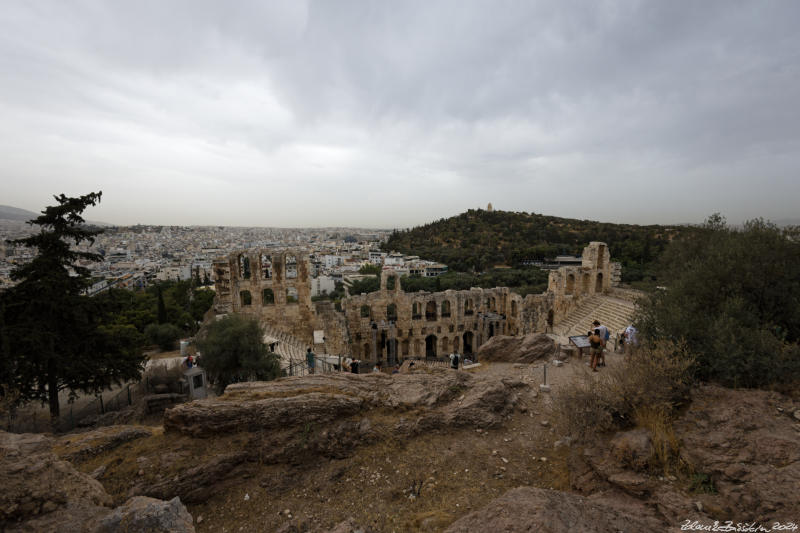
[(513, 308), (599, 285), (291, 295), (430, 311), (445, 309), (404, 347), (468, 307), (391, 282), (430, 347), (244, 266), (391, 312), (290, 266), (445, 345), (267, 297), (469, 339), (416, 311), (266, 266), (246, 298), (366, 312), (570, 284)]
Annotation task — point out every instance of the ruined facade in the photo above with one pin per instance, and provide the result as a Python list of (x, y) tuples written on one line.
[(390, 324)]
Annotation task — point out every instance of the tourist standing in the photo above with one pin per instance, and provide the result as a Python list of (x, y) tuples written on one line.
[(454, 360), (605, 334), (310, 361), (596, 343)]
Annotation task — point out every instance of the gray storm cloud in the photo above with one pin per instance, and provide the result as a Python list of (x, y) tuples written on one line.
[(393, 114)]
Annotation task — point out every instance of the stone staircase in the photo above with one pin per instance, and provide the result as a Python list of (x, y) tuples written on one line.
[(292, 353), (614, 313)]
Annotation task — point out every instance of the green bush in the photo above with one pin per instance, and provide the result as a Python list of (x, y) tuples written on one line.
[(163, 335), (233, 350), (732, 295)]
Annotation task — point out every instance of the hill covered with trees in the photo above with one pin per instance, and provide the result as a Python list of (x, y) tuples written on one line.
[(478, 240)]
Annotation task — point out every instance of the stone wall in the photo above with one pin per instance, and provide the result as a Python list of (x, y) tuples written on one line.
[(390, 324)]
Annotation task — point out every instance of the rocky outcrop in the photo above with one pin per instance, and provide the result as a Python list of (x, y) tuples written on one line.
[(740, 451), (747, 443), (444, 397), (525, 349), (147, 515), (43, 493), (36, 483), (212, 417), (527, 509), (81, 446)]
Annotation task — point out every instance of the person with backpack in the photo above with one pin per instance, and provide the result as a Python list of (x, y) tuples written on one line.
[(596, 343), (454, 360), (605, 334)]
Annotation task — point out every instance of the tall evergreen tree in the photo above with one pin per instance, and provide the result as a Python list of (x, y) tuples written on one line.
[(52, 336), (162, 309)]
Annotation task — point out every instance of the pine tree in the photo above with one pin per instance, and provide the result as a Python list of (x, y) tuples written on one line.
[(52, 337)]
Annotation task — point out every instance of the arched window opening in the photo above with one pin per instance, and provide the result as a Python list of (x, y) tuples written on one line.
[(291, 295), (266, 266), (445, 309), (244, 267), (468, 309), (246, 298), (291, 267), (267, 297), (430, 311)]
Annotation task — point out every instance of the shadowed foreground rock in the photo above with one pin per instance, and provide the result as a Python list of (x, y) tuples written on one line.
[(528, 509), (148, 515), (42, 493)]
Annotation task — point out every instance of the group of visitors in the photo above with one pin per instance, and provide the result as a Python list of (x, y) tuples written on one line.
[(598, 340)]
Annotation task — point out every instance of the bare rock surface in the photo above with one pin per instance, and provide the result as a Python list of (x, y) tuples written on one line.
[(36, 482), (526, 509), (520, 349), (748, 443), (446, 397), (147, 515), (81, 446), (43, 493)]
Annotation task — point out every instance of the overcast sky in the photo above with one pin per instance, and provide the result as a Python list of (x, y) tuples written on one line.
[(394, 114)]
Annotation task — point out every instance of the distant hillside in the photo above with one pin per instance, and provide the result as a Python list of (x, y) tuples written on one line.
[(15, 213), (479, 239)]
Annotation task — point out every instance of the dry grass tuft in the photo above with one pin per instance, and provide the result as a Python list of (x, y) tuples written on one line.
[(651, 383)]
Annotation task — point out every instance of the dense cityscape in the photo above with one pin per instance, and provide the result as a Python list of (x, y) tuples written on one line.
[(138, 256)]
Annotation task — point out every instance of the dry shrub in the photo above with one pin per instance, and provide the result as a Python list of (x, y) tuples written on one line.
[(651, 381), (665, 447)]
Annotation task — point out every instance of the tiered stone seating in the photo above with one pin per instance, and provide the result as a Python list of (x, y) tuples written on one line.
[(612, 312)]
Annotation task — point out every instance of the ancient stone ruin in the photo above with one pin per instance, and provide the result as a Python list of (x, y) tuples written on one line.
[(389, 324)]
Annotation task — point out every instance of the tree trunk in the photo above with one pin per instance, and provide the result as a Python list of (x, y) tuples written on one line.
[(52, 390)]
